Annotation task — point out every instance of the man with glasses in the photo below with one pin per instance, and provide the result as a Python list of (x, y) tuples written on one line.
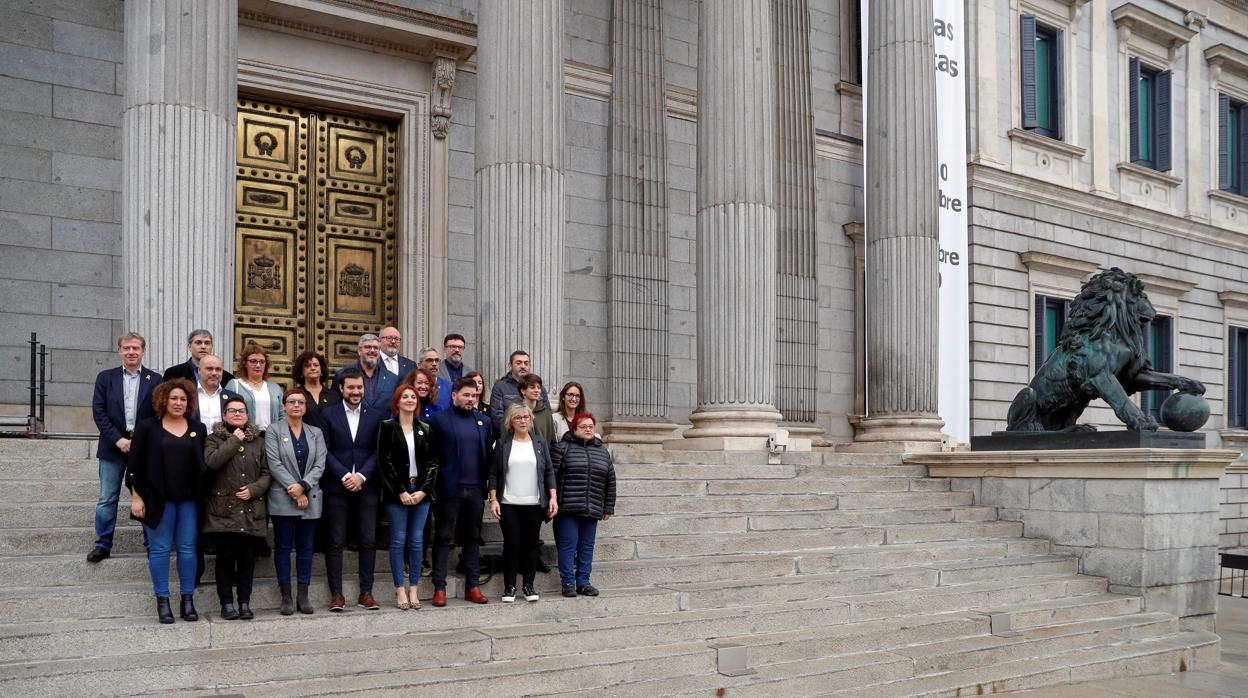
[(429, 361), (379, 384), (453, 367), (391, 360)]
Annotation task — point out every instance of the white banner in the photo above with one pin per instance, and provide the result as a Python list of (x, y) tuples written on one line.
[(954, 348)]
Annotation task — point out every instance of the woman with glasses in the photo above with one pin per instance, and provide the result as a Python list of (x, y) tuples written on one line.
[(263, 396), (571, 403), (522, 495), (237, 517), (164, 473), (296, 455), (408, 471), (311, 372), (585, 477)]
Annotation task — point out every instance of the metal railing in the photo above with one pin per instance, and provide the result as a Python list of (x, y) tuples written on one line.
[(1233, 571), (35, 422)]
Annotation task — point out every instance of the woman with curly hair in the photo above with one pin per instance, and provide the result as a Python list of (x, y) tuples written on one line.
[(166, 467), (310, 371)]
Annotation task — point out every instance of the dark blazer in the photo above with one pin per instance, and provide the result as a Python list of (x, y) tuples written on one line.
[(108, 407), (406, 366), (545, 470), (387, 383), (446, 450), (393, 467), (145, 470), (343, 454), (185, 370), (224, 396)]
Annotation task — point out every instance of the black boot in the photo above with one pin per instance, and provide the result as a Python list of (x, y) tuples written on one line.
[(244, 610), (288, 604), (163, 611), (227, 611), (188, 608), (301, 599)]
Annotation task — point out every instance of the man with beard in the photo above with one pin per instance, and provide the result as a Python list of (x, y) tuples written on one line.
[(453, 367), (379, 384)]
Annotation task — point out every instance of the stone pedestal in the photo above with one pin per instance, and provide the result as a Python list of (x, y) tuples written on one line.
[(1145, 519), (519, 177), (178, 182)]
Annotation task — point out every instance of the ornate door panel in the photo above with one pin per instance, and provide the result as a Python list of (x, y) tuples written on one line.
[(314, 253)]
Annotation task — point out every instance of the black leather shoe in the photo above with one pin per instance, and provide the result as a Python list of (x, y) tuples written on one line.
[(569, 591), (188, 608), (587, 590), (98, 554), (228, 612), (244, 611), (163, 611)]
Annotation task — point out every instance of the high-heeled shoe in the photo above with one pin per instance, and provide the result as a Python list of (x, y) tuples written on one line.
[(400, 599), (163, 611), (188, 608)]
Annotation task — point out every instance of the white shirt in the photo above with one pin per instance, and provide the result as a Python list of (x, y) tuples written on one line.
[(353, 421), (521, 486), (130, 394), (263, 402), (410, 437), (210, 407)]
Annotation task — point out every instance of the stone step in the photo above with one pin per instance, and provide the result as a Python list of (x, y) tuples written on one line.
[(47, 449), (985, 570), (987, 594), (922, 533), (752, 542), (758, 503), (1054, 611), (30, 642), (854, 469), (781, 521), (808, 485), (651, 470), (51, 490), (32, 470)]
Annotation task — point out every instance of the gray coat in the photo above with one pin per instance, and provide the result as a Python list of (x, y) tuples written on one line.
[(284, 468)]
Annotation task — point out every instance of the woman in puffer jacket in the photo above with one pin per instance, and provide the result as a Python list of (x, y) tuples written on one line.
[(585, 481)]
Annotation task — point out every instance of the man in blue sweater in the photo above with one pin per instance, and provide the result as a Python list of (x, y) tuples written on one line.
[(461, 440)]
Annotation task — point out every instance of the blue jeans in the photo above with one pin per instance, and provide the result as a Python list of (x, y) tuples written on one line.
[(407, 535), (574, 538), (293, 532), (179, 526), (111, 475)]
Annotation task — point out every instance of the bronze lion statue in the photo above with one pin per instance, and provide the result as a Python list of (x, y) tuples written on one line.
[(1100, 354)]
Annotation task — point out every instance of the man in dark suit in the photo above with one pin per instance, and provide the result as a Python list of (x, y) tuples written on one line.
[(379, 384), (391, 360), (461, 441), (351, 485), (429, 360), (198, 345), (123, 396), (212, 397)]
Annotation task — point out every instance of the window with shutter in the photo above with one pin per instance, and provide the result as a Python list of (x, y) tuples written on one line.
[(1159, 345), (1051, 316), (1148, 108), (1237, 377), (1041, 76)]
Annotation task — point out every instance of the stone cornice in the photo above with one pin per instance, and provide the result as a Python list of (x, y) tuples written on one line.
[(1152, 26), (1227, 58), (377, 25), (1056, 264), (1052, 144), (1112, 464), (1234, 299), (1165, 286)]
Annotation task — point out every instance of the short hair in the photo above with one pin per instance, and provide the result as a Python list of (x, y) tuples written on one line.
[(515, 409), (211, 356), (349, 373), (528, 380), (410, 379), (563, 394), (302, 360), (249, 349), (453, 335), (398, 392), (464, 382), (160, 396), (198, 333), (370, 337), (294, 390), (233, 399), (514, 354), (426, 350), (132, 335), (582, 417)]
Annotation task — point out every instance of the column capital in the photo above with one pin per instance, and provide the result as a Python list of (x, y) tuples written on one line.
[(444, 71)]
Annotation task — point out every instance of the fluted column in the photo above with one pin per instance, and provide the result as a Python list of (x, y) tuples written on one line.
[(795, 218), (638, 186), (519, 177), (901, 230), (178, 139), (736, 226)]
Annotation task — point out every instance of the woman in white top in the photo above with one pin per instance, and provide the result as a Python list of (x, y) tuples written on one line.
[(408, 471), (522, 496), (263, 396), (571, 403)]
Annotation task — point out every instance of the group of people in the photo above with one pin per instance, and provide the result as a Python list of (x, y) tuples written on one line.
[(204, 451)]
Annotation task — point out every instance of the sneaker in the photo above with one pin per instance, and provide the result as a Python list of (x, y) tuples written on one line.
[(509, 593), (587, 590), (568, 590), (530, 594)]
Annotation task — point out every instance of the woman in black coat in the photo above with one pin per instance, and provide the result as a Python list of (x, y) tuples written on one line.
[(164, 473), (522, 496), (585, 478), (409, 471)]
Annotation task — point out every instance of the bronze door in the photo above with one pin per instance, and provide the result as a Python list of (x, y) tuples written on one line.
[(314, 242)]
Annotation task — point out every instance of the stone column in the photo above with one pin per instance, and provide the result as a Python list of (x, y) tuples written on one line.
[(178, 138), (519, 202), (796, 321), (638, 186), (736, 227), (1197, 189), (901, 230)]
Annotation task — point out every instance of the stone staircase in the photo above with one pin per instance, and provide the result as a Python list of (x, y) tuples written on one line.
[(842, 575)]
